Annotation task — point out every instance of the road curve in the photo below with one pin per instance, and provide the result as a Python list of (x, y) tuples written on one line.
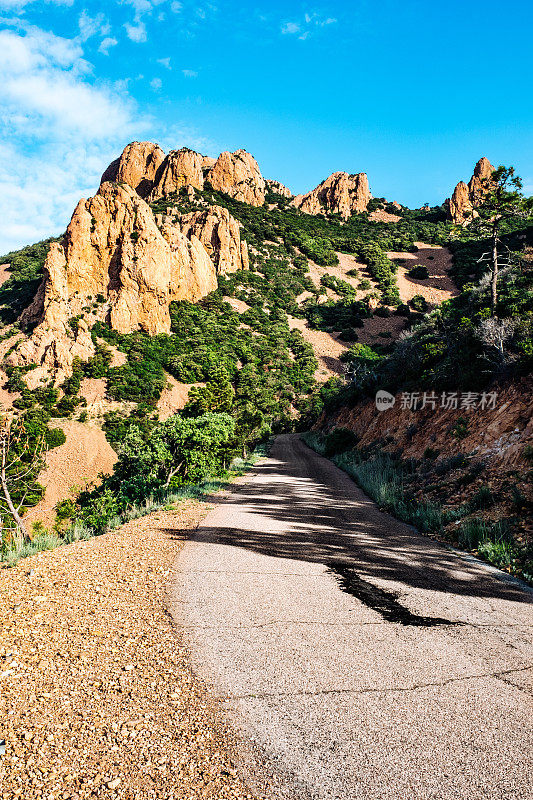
[(359, 659)]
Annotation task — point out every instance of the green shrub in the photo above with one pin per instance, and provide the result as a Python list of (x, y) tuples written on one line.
[(483, 498), (339, 440), (65, 509), (418, 303), (460, 429), (54, 437), (431, 454), (419, 271)]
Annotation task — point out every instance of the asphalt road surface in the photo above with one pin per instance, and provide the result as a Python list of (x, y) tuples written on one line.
[(358, 658)]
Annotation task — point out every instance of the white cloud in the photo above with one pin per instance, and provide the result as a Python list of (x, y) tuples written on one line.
[(137, 32), (140, 6), (306, 27), (42, 75), (290, 27), (156, 84), (190, 73), (90, 26), (176, 7), (106, 44), (57, 132), (165, 62), (9, 5)]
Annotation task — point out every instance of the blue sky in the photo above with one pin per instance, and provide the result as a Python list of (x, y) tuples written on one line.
[(413, 93)]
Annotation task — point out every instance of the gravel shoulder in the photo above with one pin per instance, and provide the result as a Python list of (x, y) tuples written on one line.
[(97, 696)]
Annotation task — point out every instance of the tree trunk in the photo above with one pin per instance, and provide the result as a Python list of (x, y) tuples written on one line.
[(494, 277), (12, 510)]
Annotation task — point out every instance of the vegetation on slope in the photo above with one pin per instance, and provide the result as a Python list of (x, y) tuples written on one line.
[(257, 374)]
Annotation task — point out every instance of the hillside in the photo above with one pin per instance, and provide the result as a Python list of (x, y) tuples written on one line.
[(193, 309)]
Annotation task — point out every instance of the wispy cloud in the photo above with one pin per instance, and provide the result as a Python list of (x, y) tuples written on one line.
[(156, 84), (106, 44), (57, 131), (190, 73), (10, 5), (136, 32), (91, 26), (306, 26), (165, 62)]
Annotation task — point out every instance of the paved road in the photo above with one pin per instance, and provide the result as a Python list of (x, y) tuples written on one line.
[(361, 659)]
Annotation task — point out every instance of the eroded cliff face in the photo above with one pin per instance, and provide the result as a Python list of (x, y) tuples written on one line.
[(462, 204), (341, 193), (220, 234), (115, 259)]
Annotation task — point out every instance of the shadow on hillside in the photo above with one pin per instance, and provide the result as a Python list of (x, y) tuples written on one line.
[(300, 506)]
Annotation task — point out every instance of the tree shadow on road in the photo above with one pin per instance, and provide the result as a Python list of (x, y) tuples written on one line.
[(283, 513)]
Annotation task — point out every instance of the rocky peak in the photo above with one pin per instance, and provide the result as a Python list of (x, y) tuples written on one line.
[(461, 205), (145, 168), (180, 168), (137, 166), (237, 175), (341, 193)]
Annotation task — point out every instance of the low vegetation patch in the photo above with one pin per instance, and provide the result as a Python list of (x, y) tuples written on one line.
[(388, 480)]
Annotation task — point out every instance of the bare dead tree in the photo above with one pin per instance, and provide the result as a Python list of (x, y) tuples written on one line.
[(20, 462), (496, 333)]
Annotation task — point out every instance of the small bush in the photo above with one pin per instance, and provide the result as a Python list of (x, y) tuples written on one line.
[(54, 437), (419, 271), (65, 509), (339, 440), (418, 303), (382, 311), (431, 454), (472, 532), (460, 429), (77, 532), (403, 310), (483, 498)]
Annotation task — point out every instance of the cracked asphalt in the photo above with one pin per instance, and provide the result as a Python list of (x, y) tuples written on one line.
[(357, 658)]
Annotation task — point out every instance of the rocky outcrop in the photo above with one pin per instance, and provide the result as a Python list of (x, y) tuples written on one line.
[(145, 168), (220, 234), (480, 180), (113, 254), (462, 204), (460, 207), (341, 193), (137, 166), (180, 168), (278, 188), (237, 175)]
